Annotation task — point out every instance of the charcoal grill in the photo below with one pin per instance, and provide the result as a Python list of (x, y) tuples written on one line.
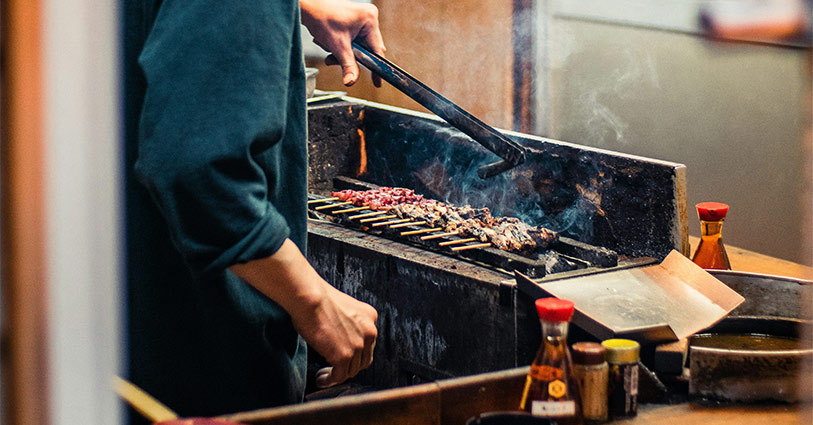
[(445, 313)]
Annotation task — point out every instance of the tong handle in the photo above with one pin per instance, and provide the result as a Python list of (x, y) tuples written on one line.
[(512, 154)]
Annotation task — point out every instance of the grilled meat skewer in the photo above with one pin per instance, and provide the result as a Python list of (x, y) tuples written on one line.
[(506, 233)]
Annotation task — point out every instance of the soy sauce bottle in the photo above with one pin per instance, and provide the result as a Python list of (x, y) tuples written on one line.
[(551, 389), (710, 253)]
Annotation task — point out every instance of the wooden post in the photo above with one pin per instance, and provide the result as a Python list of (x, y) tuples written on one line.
[(24, 335)]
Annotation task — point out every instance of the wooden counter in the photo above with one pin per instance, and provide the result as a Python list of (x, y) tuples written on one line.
[(693, 413), (453, 401), (754, 262)]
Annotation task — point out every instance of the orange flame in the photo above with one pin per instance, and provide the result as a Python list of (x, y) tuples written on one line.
[(363, 154)]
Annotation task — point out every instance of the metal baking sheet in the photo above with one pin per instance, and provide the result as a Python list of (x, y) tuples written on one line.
[(660, 302)]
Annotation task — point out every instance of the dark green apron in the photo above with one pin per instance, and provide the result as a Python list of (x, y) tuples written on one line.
[(216, 175)]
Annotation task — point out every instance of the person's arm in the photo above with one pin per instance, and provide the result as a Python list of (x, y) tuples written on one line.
[(337, 326), (334, 24)]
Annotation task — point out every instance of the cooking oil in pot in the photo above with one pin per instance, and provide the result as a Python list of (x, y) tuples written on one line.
[(745, 341)]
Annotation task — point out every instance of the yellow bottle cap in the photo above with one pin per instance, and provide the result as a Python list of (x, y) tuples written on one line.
[(621, 350)]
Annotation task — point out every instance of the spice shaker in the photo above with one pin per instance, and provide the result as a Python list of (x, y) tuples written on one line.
[(591, 372), (622, 358)]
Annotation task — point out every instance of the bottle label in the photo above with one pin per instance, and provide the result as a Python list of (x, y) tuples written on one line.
[(553, 408), (546, 373), (631, 380), (557, 389)]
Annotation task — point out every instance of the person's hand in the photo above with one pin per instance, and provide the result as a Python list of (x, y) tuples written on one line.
[(334, 24), (339, 327), (343, 331)]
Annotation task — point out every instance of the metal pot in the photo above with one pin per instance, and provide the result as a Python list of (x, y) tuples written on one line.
[(746, 375)]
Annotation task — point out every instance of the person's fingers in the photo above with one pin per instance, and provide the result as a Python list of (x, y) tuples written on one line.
[(370, 36), (367, 353), (331, 60), (350, 69), (355, 364), (373, 40)]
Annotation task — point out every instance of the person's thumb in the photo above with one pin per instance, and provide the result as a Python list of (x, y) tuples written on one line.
[(328, 377)]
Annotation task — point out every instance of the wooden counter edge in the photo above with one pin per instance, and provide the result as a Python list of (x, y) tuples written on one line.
[(754, 262)]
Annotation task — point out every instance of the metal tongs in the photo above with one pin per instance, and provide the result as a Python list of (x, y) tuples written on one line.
[(512, 154)]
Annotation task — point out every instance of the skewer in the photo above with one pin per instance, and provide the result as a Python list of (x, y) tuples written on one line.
[(457, 242), (350, 210), (411, 223), (318, 201), (418, 232), (463, 248), (369, 220), (353, 217), (324, 207), (439, 235), (387, 223)]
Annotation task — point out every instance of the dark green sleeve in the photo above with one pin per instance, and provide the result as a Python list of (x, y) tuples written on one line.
[(217, 76)]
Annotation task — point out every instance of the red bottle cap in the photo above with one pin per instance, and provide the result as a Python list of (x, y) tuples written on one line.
[(554, 309), (711, 211)]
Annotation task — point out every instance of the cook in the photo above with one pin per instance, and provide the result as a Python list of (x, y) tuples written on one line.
[(221, 299)]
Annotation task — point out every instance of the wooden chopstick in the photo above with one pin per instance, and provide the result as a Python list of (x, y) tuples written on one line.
[(463, 248), (439, 235), (324, 207), (353, 217), (389, 223), (145, 404), (457, 242), (317, 201), (369, 220), (350, 210), (411, 223), (418, 232)]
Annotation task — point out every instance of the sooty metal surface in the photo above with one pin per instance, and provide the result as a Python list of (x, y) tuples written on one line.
[(438, 316)]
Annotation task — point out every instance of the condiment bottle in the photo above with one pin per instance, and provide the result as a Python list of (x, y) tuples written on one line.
[(710, 252), (622, 357), (591, 371), (551, 390)]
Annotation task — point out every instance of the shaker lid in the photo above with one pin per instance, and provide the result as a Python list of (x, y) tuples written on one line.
[(621, 350), (711, 211), (554, 309), (587, 353)]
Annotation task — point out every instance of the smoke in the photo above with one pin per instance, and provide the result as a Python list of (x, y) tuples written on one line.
[(604, 126), (451, 176), (539, 193), (558, 48)]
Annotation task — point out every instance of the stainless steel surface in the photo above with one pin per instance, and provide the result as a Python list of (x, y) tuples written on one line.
[(321, 96), (310, 81), (661, 302), (768, 295)]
